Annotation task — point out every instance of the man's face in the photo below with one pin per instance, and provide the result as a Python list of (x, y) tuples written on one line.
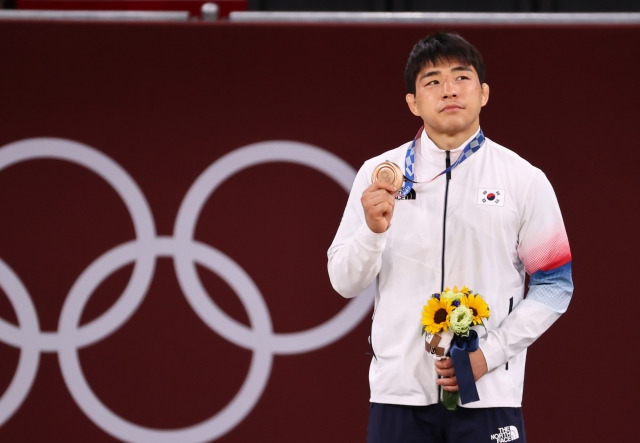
[(449, 97)]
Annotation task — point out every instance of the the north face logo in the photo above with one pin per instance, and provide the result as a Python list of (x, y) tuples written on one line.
[(508, 433)]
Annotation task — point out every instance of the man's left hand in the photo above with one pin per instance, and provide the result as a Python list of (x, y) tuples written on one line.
[(447, 373)]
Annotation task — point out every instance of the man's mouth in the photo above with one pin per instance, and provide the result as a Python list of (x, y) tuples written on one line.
[(451, 107)]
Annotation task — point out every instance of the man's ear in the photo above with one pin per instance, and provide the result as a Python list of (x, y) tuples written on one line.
[(413, 107), (485, 94)]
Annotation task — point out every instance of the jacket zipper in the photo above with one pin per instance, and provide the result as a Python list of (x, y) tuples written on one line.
[(444, 232), (506, 366), (444, 218)]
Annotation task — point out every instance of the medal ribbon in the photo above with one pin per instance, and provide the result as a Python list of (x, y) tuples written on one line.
[(410, 158)]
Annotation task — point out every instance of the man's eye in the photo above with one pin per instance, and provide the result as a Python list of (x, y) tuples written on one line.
[(462, 77), (433, 82)]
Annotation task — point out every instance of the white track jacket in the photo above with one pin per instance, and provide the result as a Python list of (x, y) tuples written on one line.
[(501, 221)]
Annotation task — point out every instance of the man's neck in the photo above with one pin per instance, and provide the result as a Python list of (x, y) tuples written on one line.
[(447, 142)]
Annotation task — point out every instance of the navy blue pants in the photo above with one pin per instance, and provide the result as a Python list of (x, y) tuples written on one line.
[(435, 424)]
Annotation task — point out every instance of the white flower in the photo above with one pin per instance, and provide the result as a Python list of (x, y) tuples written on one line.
[(460, 320)]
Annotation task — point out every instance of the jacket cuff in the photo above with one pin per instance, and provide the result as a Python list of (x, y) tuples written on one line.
[(370, 240), (493, 352)]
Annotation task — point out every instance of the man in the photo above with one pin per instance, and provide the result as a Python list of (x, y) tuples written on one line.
[(469, 213)]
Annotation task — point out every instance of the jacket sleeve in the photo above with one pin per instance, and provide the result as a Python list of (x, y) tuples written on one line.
[(355, 256), (543, 248)]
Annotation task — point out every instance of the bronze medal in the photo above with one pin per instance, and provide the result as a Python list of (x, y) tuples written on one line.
[(388, 172)]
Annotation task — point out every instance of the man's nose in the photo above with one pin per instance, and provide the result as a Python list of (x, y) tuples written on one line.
[(448, 89)]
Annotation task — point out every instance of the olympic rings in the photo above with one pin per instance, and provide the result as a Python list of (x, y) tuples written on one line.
[(186, 252)]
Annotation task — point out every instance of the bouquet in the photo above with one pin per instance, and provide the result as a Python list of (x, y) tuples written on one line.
[(447, 321)]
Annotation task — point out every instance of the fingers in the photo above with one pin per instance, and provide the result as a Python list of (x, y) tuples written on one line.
[(445, 363), (378, 202), (379, 184), (446, 375), (448, 384), (445, 371), (380, 189)]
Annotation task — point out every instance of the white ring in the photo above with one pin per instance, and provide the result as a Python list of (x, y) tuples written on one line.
[(24, 338), (224, 420), (259, 337), (225, 167)]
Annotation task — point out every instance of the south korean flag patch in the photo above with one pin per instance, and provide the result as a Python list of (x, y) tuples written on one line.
[(491, 197)]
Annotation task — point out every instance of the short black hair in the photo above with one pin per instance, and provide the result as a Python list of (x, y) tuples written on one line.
[(441, 46)]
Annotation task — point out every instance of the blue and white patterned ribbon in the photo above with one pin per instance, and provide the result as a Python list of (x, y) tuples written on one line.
[(410, 158)]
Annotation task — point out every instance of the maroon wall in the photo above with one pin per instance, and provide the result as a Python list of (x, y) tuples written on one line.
[(164, 102)]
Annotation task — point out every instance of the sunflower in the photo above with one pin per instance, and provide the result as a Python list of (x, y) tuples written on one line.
[(435, 315), (463, 290), (478, 306)]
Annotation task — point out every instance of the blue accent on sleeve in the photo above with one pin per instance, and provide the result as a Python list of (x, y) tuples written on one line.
[(552, 288)]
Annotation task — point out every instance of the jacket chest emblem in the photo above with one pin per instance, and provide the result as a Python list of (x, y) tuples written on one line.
[(491, 196)]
